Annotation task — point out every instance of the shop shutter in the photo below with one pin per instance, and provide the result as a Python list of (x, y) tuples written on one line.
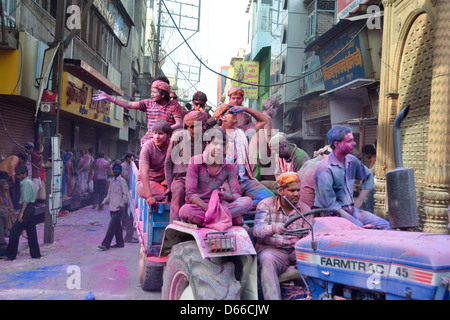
[(66, 130), (370, 134), (415, 91), (87, 136), (19, 122)]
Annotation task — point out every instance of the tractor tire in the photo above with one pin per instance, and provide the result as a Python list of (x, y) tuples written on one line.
[(203, 279), (150, 276)]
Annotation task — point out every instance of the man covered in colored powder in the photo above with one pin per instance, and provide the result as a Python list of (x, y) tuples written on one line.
[(236, 97), (307, 173), (335, 181), (117, 197), (262, 160), (237, 148), (159, 107), (291, 157), (184, 144), (151, 184), (288, 158), (208, 172), (275, 249)]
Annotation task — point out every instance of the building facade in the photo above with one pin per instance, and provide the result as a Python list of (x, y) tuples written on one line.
[(415, 73), (106, 54)]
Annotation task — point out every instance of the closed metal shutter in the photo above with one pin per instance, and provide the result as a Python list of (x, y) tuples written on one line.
[(19, 122), (415, 91), (87, 136), (370, 134), (66, 130)]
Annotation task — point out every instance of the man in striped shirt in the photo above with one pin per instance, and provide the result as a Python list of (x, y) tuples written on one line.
[(159, 107), (275, 249)]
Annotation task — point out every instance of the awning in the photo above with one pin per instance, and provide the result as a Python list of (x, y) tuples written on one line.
[(290, 108), (353, 85), (359, 121), (90, 76)]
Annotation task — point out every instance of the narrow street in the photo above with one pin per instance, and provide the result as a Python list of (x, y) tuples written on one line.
[(72, 267)]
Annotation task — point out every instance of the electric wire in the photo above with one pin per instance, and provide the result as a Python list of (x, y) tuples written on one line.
[(269, 85)]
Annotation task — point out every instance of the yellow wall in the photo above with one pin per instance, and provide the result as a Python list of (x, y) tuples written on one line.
[(9, 66)]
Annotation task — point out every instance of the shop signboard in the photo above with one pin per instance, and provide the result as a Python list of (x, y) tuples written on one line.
[(76, 98), (342, 59), (345, 7), (248, 73)]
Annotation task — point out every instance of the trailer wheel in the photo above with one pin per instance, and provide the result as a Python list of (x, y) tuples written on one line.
[(150, 276), (188, 276)]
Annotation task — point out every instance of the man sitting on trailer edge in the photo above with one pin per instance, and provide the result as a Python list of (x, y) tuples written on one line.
[(275, 249), (335, 180), (151, 184)]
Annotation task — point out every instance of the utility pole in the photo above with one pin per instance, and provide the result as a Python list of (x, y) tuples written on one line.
[(57, 84), (157, 42), (58, 72)]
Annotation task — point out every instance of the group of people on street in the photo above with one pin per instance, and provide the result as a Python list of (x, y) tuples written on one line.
[(192, 157), (232, 159), (17, 199), (22, 178)]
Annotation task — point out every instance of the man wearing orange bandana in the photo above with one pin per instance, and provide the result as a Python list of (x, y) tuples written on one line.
[(236, 97), (275, 249)]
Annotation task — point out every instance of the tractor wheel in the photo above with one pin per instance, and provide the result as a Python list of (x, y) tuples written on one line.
[(150, 276), (188, 276)]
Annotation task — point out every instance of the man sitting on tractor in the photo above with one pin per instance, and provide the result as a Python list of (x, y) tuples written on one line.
[(183, 146), (335, 180), (275, 249), (208, 172), (237, 147), (151, 184)]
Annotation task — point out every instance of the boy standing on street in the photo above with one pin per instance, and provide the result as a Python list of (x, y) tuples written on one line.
[(117, 198)]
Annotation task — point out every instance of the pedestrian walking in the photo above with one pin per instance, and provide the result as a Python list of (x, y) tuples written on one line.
[(25, 219), (101, 170), (117, 198)]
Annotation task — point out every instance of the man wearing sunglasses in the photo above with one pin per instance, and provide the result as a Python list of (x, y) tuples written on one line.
[(226, 116)]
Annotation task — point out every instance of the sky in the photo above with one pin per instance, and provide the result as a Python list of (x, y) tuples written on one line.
[(223, 31)]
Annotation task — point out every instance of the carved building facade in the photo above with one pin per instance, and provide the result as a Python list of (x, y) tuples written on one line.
[(415, 71)]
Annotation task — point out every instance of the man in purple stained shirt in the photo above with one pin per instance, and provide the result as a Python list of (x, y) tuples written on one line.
[(184, 144), (101, 170), (208, 172), (335, 180), (307, 173), (151, 184)]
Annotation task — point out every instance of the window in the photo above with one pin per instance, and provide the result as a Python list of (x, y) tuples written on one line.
[(310, 30), (9, 9), (48, 5)]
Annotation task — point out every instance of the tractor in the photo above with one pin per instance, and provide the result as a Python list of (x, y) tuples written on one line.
[(335, 259)]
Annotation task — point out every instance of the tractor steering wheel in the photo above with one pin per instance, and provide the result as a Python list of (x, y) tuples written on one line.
[(304, 231)]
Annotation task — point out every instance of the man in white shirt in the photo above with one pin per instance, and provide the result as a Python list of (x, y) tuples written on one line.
[(117, 198)]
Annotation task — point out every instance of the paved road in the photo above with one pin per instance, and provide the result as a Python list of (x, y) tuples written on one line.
[(72, 267)]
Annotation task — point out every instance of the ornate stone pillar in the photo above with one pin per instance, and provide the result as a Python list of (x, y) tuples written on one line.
[(388, 103), (437, 172)]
